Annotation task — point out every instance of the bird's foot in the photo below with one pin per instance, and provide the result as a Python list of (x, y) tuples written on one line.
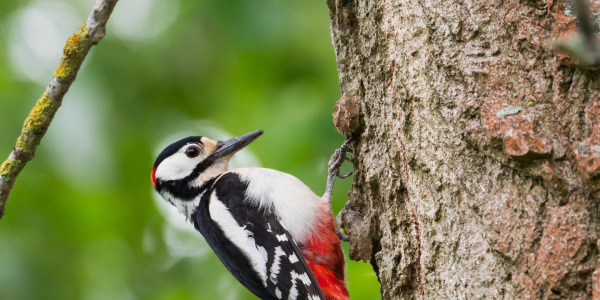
[(338, 158), (335, 162), (340, 229)]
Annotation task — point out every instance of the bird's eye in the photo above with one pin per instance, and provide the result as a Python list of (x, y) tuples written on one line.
[(192, 152)]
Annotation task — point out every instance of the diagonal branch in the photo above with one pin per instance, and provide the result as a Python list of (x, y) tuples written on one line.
[(76, 48)]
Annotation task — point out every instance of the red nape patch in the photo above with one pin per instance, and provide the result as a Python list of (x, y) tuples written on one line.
[(154, 177)]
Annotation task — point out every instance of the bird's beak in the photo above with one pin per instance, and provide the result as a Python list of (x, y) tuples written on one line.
[(235, 144)]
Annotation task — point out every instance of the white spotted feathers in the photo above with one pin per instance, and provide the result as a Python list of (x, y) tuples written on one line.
[(258, 233)]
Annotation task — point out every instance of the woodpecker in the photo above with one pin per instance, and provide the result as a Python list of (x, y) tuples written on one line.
[(274, 235)]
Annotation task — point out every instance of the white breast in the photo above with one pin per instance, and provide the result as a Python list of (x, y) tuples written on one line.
[(289, 198)]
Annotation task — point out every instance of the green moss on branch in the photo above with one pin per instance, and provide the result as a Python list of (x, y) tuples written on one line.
[(35, 126)]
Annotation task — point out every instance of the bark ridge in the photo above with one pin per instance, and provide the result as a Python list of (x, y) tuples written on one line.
[(477, 154)]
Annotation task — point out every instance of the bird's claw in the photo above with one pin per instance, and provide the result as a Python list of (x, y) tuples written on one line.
[(337, 159), (339, 156), (341, 229), (344, 175)]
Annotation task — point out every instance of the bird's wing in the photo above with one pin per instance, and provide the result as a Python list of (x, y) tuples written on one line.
[(258, 234)]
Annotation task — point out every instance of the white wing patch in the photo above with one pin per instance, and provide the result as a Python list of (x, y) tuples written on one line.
[(293, 291), (282, 237), (263, 252), (275, 267), (293, 258), (302, 276), (295, 277), (239, 236)]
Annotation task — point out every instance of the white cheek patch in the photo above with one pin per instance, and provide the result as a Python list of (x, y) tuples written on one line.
[(176, 166)]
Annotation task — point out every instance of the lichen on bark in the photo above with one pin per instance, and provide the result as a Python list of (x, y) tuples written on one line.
[(36, 124), (454, 195)]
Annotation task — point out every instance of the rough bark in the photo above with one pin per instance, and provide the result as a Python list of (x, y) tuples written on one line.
[(477, 148)]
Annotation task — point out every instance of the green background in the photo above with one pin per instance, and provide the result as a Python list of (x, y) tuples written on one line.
[(82, 221)]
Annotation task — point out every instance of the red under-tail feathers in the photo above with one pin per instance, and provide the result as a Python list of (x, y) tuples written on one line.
[(326, 259)]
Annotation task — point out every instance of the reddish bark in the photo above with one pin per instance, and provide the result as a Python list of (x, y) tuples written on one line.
[(477, 148)]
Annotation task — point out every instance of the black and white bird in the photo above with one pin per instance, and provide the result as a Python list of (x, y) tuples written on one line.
[(269, 229)]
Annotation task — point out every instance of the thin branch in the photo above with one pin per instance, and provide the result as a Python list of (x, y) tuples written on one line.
[(585, 23), (76, 49), (582, 45)]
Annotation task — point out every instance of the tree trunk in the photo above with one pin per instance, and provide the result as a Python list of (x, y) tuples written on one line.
[(477, 148)]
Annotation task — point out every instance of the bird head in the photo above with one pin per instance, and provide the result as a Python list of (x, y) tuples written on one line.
[(183, 167)]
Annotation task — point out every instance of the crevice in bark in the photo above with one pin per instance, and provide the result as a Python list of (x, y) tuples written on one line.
[(417, 269), (488, 141), (376, 248)]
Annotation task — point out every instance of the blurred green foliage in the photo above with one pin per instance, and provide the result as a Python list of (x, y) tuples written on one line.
[(82, 221)]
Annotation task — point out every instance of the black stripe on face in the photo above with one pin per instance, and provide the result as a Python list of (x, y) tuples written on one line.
[(181, 189)]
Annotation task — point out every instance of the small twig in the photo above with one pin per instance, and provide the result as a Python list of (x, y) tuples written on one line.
[(586, 26), (582, 45), (588, 31), (76, 48)]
